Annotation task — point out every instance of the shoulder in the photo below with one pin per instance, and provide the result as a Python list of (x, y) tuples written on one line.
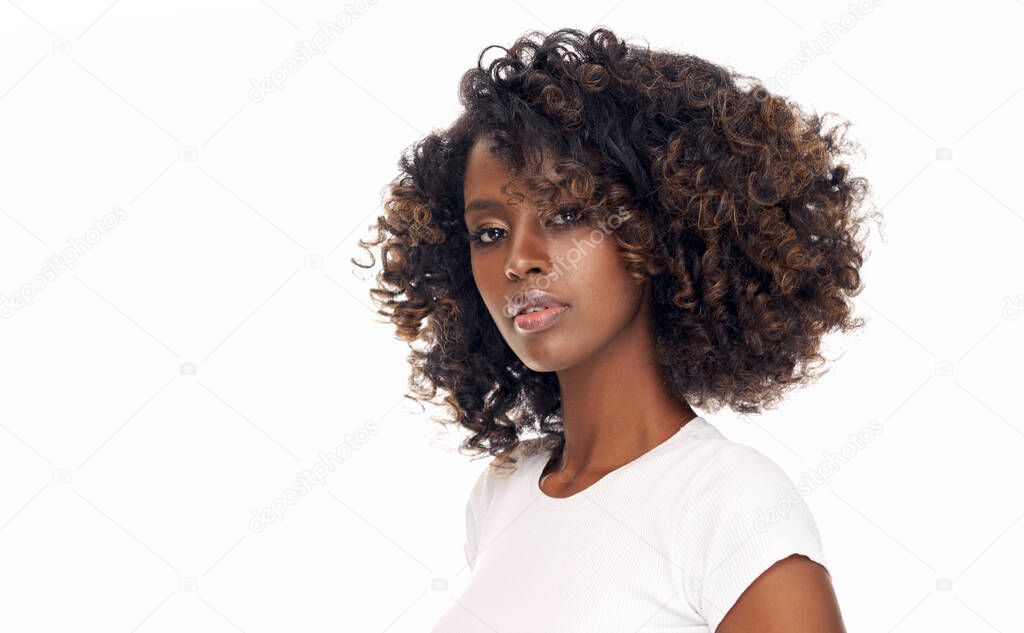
[(742, 488), (741, 514), (741, 475), (503, 466), (498, 469)]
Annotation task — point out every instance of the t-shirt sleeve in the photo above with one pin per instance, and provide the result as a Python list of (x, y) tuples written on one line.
[(741, 514)]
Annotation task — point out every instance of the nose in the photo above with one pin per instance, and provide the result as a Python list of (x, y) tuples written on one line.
[(527, 252)]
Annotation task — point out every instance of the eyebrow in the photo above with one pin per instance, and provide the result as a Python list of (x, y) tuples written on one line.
[(485, 204)]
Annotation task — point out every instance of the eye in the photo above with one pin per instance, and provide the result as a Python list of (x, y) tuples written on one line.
[(479, 235), (573, 213)]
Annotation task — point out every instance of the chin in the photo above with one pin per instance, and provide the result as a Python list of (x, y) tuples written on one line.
[(552, 350), (541, 366), (546, 358)]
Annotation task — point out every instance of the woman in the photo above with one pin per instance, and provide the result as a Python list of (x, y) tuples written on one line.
[(606, 236)]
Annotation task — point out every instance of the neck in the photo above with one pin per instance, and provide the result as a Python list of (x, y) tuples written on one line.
[(615, 405)]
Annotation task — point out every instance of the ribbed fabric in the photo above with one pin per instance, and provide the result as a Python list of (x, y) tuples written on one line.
[(665, 543)]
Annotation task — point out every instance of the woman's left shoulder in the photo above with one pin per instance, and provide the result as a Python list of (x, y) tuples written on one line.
[(740, 480), (745, 464), (742, 513)]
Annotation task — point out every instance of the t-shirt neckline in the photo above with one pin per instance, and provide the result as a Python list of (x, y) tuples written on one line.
[(542, 499)]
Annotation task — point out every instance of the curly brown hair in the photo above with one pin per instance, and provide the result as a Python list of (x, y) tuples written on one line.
[(734, 197)]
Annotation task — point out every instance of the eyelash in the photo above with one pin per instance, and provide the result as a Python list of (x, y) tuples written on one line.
[(475, 236)]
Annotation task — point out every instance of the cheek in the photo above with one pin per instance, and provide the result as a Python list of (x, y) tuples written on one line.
[(487, 277), (483, 270), (597, 274), (607, 296)]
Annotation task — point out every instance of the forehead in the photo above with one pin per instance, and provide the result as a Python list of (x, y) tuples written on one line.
[(486, 173), (484, 170)]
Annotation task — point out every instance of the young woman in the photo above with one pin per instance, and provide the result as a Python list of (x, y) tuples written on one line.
[(607, 236)]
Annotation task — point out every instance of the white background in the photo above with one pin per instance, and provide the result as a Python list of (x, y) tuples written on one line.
[(217, 342)]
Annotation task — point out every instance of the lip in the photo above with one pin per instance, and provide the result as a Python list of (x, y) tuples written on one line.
[(532, 297), (542, 320)]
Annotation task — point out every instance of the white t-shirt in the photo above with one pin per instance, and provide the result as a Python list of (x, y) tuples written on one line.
[(665, 543)]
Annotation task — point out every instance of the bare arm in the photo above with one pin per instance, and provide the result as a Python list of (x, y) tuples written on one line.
[(794, 595)]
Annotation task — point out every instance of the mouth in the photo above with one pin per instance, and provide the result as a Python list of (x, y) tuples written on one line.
[(534, 309), (536, 318), (532, 300)]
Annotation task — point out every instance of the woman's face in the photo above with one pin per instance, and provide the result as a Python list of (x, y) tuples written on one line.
[(575, 263)]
